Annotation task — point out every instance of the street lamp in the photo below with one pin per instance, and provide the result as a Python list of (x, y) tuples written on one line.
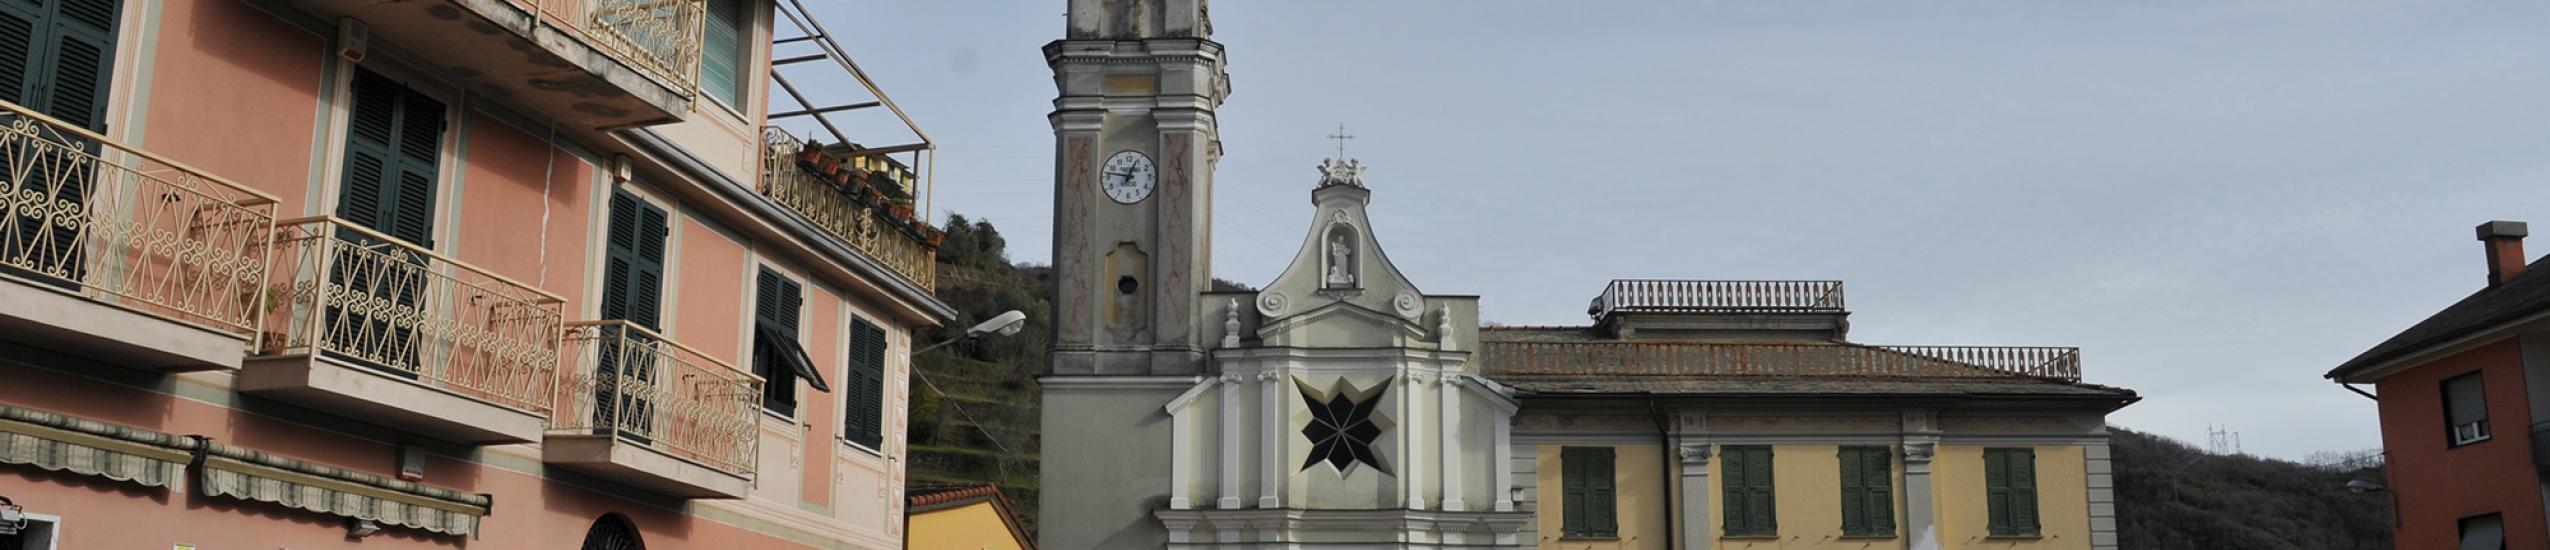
[(1007, 323)]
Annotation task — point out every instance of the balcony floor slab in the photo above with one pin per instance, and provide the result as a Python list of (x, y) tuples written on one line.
[(641, 467), (44, 316), (369, 394)]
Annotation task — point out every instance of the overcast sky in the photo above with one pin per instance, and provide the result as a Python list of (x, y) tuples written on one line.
[(2216, 201)]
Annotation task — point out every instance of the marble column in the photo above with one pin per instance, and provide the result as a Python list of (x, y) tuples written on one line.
[(1694, 523)]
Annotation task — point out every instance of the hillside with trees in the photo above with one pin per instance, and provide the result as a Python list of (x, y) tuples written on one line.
[(2171, 495)]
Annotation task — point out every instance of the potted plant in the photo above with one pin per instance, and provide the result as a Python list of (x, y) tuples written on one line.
[(902, 209), (929, 236), (810, 156), (272, 339)]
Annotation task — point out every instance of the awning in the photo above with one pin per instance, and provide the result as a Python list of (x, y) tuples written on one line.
[(250, 475), (793, 355), (71, 444)]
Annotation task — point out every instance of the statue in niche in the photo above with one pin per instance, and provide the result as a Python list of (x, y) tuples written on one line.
[(1341, 262)]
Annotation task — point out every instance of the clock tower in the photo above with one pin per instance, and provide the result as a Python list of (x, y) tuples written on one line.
[(1134, 148)]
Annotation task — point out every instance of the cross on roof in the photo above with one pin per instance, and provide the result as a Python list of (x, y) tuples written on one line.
[(1341, 136)]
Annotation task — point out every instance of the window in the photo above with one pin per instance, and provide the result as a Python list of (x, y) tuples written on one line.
[(2486, 532), (2009, 480), (393, 151), (632, 290), (2465, 410), (1746, 477), (613, 532), (863, 418), (41, 532), (57, 57), (722, 56), (777, 357), (1587, 507), (1868, 491)]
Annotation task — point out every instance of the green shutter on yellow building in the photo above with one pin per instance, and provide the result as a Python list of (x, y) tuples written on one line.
[(1868, 491), (1747, 487), (1588, 503), (2009, 477)]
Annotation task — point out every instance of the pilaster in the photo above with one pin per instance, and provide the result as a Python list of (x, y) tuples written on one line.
[(1230, 469), (2102, 493), (1921, 441), (1449, 397), (1694, 522), (1412, 463), (1270, 445)]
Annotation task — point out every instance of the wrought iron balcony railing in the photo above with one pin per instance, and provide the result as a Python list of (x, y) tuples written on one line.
[(660, 37), (357, 295), (95, 216), (1684, 296), (867, 220), (1767, 359), (642, 388)]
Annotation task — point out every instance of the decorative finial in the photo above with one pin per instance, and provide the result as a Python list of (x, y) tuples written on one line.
[(1443, 329), (1231, 325)]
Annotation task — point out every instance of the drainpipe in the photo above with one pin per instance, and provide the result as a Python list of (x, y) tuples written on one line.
[(2351, 387), (1670, 472)]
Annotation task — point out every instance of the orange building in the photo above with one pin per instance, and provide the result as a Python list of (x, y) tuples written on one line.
[(2465, 403), (450, 274)]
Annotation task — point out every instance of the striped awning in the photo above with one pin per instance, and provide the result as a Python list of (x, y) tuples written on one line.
[(153, 459), (244, 474), (78, 445)]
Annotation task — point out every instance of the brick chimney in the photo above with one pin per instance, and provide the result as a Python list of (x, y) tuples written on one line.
[(2504, 240)]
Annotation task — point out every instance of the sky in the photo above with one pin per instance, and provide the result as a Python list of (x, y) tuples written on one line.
[(2216, 201)]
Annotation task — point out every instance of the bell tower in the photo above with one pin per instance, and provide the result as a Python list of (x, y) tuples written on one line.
[(1135, 142), (1134, 149)]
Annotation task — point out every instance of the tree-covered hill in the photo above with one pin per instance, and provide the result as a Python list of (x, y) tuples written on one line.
[(2171, 495)]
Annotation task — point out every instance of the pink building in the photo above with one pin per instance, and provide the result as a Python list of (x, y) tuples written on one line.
[(451, 274)]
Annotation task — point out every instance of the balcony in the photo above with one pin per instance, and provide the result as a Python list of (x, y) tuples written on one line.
[(116, 253), (650, 412), (1687, 296), (601, 64), (374, 328), (862, 198)]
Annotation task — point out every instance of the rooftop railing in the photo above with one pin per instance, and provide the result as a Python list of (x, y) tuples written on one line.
[(642, 388), (99, 217), (1678, 296), (358, 295), (660, 37), (1765, 359), (866, 203)]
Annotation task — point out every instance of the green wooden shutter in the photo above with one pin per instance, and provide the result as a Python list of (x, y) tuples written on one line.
[(393, 151), (1602, 504), (721, 51), (2022, 484), (1854, 492), (82, 38), (21, 24), (56, 58), (1765, 506), (775, 308), (864, 422), (1574, 513), (1999, 501), (1880, 481), (1748, 490), (633, 268)]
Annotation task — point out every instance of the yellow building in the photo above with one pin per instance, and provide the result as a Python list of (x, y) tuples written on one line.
[(963, 517), (1735, 415)]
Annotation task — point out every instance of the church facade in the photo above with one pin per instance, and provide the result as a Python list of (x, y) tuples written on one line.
[(1341, 406)]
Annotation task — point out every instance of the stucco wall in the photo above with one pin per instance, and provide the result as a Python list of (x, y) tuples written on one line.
[(217, 69), (967, 527), (2436, 484), (1106, 453), (1638, 479), (2062, 498)]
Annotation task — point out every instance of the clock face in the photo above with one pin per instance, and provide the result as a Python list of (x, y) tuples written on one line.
[(1129, 177)]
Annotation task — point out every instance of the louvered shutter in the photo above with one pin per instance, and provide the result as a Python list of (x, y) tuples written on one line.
[(1572, 513), (1880, 482), (1854, 491), (633, 269), (56, 58), (2022, 483), (775, 310), (865, 384), (721, 51), (1764, 504), (1601, 493), (393, 151), (1996, 491)]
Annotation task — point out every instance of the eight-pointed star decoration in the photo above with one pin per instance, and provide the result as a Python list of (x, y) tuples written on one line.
[(1342, 426)]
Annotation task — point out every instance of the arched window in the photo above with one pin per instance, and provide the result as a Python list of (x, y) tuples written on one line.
[(613, 532)]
